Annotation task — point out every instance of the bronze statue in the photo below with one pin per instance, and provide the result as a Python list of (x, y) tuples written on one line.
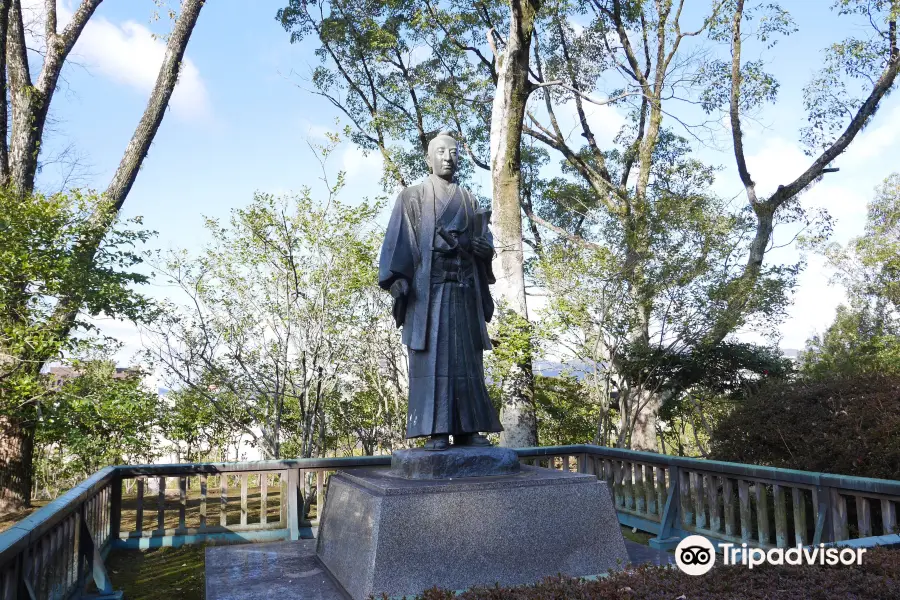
[(436, 262)]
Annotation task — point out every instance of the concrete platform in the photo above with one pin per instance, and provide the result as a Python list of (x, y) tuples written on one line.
[(291, 571), (276, 570)]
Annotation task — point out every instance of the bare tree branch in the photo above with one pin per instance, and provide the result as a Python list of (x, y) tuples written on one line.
[(50, 24), (734, 111), (73, 30), (4, 148), (159, 99)]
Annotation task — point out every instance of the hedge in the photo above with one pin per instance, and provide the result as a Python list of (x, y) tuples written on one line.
[(848, 426), (877, 578)]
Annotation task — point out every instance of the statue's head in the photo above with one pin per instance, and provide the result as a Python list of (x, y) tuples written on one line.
[(443, 155)]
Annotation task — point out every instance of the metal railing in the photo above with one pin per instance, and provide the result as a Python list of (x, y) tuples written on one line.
[(56, 551)]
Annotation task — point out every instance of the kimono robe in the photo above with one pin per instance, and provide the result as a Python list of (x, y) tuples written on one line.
[(444, 316)]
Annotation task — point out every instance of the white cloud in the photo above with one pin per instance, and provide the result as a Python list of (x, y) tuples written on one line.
[(127, 53), (356, 164), (815, 303), (875, 143), (777, 162), (605, 121)]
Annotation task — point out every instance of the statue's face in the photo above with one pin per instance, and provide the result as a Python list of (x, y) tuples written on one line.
[(443, 159)]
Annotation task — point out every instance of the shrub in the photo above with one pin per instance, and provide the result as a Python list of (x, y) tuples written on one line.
[(845, 425), (877, 577)]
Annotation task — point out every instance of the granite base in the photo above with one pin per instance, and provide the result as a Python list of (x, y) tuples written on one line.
[(454, 462), (385, 534)]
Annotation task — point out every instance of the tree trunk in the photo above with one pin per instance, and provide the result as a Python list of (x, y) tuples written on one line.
[(16, 453), (156, 107), (517, 414), (643, 436), (30, 104)]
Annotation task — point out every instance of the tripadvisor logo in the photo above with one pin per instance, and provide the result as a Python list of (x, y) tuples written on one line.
[(696, 555)]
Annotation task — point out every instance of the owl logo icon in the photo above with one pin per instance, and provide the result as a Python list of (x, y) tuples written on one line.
[(695, 555)]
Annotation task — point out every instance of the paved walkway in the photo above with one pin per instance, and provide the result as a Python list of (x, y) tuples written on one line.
[(290, 571)]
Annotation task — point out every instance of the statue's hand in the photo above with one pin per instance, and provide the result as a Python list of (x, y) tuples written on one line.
[(482, 248), (399, 288)]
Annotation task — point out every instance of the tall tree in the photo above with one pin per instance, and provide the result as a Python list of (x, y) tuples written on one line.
[(397, 101), (643, 58), (275, 306), (40, 264), (94, 418), (29, 103), (660, 63), (864, 338), (517, 411)]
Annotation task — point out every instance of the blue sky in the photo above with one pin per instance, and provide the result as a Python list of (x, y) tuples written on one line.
[(239, 123)]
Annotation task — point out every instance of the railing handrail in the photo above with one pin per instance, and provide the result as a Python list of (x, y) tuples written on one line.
[(17, 538), (212, 468), (813, 478), (23, 533)]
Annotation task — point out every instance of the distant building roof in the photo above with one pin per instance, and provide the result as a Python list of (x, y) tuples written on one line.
[(62, 373)]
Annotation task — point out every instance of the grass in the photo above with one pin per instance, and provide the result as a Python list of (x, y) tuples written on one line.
[(640, 537), (161, 573), (192, 507), (9, 519)]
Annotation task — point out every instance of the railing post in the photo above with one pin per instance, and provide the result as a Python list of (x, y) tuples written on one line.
[(88, 551), (667, 539), (115, 508), (19, 587), (824, 531), (294, 502)]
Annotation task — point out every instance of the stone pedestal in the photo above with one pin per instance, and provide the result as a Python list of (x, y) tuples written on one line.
[(455, 462), (385, 534)]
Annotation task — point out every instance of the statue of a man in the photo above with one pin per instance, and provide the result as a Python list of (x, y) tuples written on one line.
[(436, 262)]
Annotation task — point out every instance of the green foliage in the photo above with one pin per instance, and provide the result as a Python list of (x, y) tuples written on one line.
[(864, 335), (515, 337), (283, 317), (842, 417), (370, 419), (860, 341), (728, 369), (839, 425), (649, 334), (90, 420), (700, 386), (714, 79), (829, 98), (870, 264), (395, 102), (565, 413), (194, 427), (45, 275)]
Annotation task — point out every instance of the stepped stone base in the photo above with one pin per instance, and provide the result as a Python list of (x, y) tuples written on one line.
[(455, 462), (381, 533)]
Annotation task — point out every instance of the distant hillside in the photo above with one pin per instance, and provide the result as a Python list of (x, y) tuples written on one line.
[(579, 368)]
